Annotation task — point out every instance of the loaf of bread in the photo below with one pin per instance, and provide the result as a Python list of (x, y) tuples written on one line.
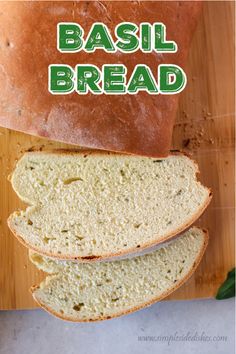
[(90, 205), (140, 124), (92, 292)]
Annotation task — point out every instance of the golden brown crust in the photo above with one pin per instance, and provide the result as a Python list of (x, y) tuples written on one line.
[(145, 246), (140, 124), (136, 308)]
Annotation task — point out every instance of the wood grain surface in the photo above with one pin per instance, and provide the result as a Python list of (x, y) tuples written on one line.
[(204, 128)]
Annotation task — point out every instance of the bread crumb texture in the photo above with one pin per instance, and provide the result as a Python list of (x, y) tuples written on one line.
[(94, 205), (89, 292)]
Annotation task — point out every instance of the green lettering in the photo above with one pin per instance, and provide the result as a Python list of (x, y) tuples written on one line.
[(88, 77), (126, 31), (161, 44), (172, 79), (69, 37), (142, 79), (61, 79), (114, 80), (146, 37), (99, 37)]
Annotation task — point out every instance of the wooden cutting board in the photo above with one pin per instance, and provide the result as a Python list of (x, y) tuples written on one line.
[(204, 127)]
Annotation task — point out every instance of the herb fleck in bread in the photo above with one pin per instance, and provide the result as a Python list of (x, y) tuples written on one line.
[(90, 206), (91, 292)]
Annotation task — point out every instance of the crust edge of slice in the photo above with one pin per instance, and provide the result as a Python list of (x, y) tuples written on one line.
[(198, 259)]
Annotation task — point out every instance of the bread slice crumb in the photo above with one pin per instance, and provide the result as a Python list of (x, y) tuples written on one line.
[(92, 292), (92, 206)]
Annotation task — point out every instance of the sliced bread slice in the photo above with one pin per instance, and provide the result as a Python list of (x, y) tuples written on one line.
[(91, 206), (92, 292)]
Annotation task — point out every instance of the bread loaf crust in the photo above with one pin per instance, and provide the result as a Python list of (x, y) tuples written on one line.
[(138, 124), (146, 304)]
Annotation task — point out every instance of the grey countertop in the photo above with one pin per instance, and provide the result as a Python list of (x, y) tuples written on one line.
[(199, 326)]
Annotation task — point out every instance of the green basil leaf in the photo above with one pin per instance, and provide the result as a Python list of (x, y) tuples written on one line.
[(227, 289)]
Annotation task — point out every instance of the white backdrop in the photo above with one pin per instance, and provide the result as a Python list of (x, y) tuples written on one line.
[(179, 327)]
